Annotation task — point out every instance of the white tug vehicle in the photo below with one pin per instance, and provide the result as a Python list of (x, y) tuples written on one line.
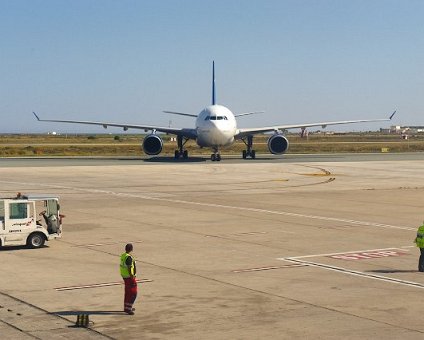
[(29, 220)]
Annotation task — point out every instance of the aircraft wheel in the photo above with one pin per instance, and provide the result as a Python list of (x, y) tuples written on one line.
[(213, 157), (244, 154), (253, 154), (177, 154), (185, 154), (218, 157)]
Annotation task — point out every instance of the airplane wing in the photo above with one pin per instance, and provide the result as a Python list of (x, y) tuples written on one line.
[(251, 131), (188, 133)]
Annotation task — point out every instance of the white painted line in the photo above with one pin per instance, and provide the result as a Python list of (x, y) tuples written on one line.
[(98, 285), (219, 206), (358, 273), (339, 253), (106, 192)]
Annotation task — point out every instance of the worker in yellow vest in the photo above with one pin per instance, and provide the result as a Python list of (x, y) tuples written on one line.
[(128, 272), (419, 241)]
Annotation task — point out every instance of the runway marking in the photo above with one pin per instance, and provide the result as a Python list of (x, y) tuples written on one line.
[(98, 285), (297, 260), (358, 273), (367, 255), (340, 253), (268, 268), (219, 206)]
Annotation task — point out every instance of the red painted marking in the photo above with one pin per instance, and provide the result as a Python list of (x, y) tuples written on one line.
[(367, 255)]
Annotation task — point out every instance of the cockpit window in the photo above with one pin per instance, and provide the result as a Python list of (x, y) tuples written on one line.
[(216, 118)]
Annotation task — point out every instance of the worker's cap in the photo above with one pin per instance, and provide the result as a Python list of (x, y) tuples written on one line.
[(128, 247)]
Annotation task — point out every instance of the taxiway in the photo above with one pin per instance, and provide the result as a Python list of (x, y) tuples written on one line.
[(311, 247)]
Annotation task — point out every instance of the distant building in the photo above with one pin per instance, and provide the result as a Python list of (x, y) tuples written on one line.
[(404, 129)]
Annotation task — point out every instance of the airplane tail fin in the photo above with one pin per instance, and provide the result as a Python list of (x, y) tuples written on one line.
[(213, 83)]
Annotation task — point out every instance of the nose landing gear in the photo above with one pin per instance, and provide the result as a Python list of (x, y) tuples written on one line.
[(216, 156)]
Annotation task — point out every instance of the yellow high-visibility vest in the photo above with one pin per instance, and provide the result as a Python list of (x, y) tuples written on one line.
[(419, 240), (125, 272)]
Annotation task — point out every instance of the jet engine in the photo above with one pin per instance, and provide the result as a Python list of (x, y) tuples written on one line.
[(152, 145), (278, 144)]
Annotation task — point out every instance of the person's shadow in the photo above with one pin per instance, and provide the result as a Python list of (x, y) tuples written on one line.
[(89, 312), (66, 313), (82, 321)]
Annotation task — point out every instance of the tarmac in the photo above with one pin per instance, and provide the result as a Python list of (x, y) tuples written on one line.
[(286, 247)]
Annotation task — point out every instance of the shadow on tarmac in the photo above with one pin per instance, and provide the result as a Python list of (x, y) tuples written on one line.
[(388, 271), (14, 248), (89, 312), (173, 160)]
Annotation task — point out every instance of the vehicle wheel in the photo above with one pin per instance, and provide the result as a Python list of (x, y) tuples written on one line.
[(177, 154), (36, 240), (253, 154), (244, 154), (185, 154)]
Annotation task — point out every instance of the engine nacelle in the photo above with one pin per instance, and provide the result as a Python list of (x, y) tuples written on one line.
[(278, 144), (152, 145)]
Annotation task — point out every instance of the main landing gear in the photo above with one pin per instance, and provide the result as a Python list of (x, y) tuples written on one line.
[(216, 156), (249, 152), (181, 152)]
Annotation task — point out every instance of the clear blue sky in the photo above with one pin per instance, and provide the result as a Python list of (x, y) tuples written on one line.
[(126, 61)]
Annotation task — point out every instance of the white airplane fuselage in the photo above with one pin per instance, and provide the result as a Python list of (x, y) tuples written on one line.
[(216, 126)]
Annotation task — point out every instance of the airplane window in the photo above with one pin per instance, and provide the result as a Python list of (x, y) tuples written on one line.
[(213, 118), (219, 118), (207, 117), (225, 118)]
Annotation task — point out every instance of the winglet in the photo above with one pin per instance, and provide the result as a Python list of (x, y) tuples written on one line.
[(392, 115), (213, 83), (38, 118)]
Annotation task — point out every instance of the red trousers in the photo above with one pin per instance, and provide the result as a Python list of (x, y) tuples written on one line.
[(130, 293)]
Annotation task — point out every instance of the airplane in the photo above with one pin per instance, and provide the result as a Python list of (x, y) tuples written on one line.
[(215, 127)]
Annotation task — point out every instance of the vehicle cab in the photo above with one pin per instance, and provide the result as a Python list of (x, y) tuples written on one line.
[(29, 220)]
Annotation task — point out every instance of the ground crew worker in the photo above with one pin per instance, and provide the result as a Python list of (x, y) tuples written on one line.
[(419, 241), (128, 273)]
